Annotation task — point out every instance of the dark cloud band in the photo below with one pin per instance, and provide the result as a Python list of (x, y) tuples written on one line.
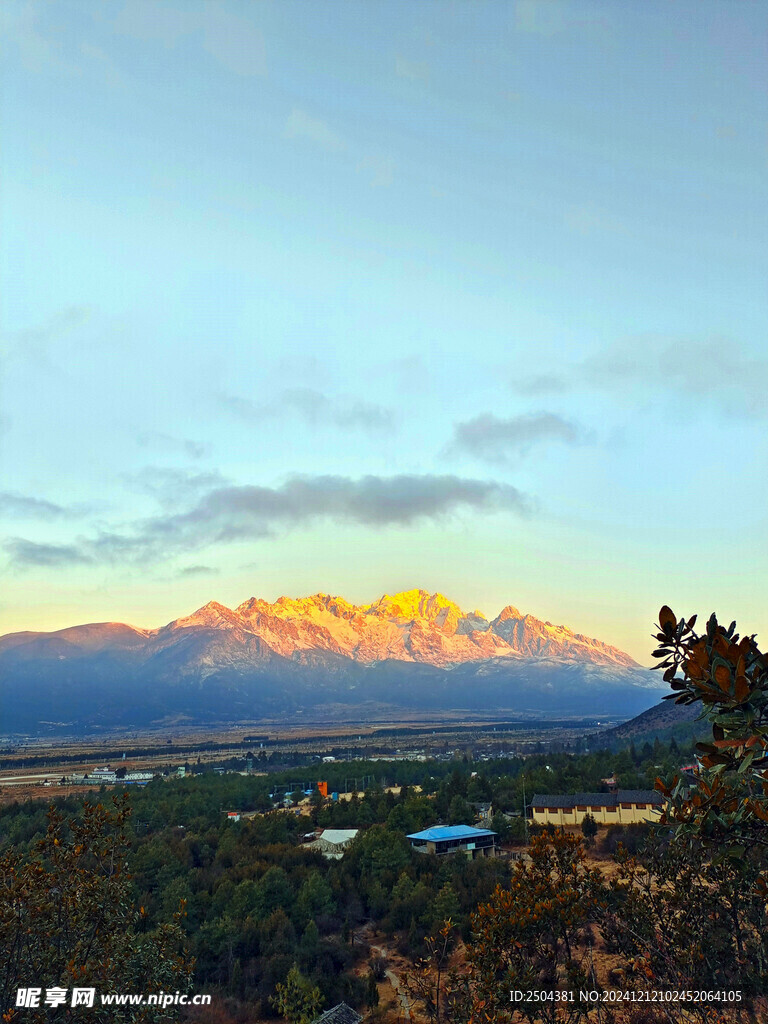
[(227, 514)]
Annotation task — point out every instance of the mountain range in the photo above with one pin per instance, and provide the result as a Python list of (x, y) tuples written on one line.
[(320, 657)]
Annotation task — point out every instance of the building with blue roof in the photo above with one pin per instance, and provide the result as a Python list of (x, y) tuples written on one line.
[(464, 839)]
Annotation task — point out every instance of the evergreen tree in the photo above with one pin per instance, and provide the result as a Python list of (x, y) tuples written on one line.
[(589, 827), (371, 992), (296, 999), (459, 811), (445, 905)]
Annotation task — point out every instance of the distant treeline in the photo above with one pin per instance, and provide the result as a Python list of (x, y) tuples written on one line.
[(479, 729)]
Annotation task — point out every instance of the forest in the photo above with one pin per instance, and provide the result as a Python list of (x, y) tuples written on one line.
[(159, 885)]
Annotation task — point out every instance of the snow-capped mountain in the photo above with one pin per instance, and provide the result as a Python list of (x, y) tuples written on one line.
[(410, 626), (262, 660)]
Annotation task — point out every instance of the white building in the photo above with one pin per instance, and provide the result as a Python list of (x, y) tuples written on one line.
[(333, 842)]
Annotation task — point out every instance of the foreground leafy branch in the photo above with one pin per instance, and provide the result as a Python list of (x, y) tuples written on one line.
[(728, 675)]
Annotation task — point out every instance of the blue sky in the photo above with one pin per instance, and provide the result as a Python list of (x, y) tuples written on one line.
[(367, 296)]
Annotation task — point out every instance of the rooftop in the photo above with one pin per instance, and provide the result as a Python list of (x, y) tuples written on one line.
[(340, 1014), (439, 833), (622, 796), (338, 835)]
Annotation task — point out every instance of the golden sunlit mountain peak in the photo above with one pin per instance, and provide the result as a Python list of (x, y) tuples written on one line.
[(410, 625)]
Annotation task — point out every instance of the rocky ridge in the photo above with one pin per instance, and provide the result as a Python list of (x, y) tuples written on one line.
[(410, 626)]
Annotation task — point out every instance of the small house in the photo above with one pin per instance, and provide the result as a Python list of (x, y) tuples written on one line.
[(463, 839), (333, 842)]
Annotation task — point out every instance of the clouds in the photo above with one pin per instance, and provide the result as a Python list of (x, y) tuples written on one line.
[(378, 167), (301, 125), (30, 554), (381, 170), (173, 487), (313, 408), (712, 371), (229, 514), (38, 50), (540, 17), (235, 42), (494, 439), (415, 71), (33, 342), (232, 40), (197, 570), (24, 506), (175, 445)]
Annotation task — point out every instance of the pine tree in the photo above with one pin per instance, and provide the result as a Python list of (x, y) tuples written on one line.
[(297, 1000), (371, 992)]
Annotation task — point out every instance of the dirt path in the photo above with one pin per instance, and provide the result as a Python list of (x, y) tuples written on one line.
[(397, 986), (396, 983)]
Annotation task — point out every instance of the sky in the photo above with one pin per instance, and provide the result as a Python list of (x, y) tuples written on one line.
[(357, 298)]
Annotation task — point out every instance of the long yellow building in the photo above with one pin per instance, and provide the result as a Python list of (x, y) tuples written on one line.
[(625, 807)]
